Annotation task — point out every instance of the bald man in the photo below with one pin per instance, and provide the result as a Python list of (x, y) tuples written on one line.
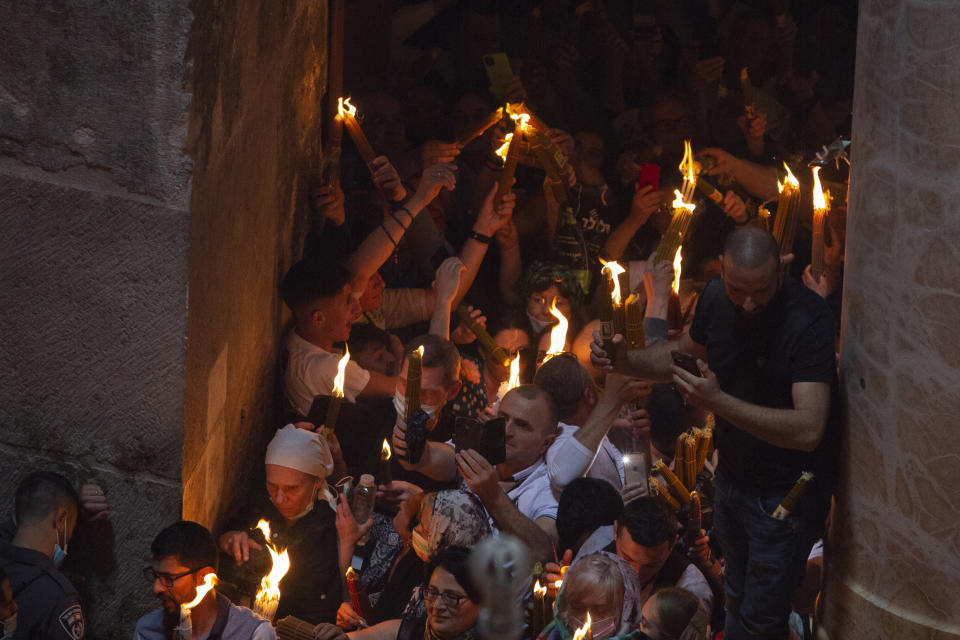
[(767, 370)]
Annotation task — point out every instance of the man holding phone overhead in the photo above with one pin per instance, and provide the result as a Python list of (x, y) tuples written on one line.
[(764, 351)]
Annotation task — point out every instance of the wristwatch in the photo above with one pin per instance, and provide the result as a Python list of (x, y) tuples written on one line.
[(479, 237)]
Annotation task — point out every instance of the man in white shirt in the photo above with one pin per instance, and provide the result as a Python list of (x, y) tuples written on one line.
[(582, 447), (320, 296), (516, 492)]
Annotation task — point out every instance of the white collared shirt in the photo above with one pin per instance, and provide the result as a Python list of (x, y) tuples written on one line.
[(310, 372), (568, 459)]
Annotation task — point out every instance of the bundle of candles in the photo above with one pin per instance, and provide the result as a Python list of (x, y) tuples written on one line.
[(184, 630), (348, 117), (692, 450), (612, 317), (268, 597), (821, 208), (789, 502), (291, 628), (553, 161), (498, 353), (683, 209), (788, 212), (509, 152), (414, 417)]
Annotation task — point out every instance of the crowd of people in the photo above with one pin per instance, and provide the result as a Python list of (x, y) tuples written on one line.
[(437, 273)]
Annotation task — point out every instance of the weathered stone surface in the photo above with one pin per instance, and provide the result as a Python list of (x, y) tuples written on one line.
[(258, 81), (895, 564)]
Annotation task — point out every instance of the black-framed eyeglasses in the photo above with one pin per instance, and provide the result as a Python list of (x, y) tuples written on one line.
[(447, 598), (166, 579)]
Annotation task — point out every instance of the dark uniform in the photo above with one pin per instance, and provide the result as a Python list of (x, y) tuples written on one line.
[(48, 605)]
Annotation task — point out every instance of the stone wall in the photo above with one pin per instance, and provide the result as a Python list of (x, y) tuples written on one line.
[(147, 149), (258, 79), (895, 568)]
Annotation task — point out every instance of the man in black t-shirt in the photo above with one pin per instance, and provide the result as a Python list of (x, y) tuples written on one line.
[(764, 349)]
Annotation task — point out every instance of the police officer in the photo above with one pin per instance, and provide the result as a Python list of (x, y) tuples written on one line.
[(47, 508)]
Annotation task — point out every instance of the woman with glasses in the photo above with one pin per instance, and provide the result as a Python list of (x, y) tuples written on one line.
[(602, 585), (452, 605), (425, 525)]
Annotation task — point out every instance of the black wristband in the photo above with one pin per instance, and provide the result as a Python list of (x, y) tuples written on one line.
[(479, 237)]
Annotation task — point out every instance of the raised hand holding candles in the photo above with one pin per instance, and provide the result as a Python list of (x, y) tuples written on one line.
[(348, 113), (498, 353), (821, 207)]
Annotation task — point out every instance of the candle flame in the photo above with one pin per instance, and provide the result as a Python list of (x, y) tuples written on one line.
[(539, 590), (582, 632), (341, 374), (678, 202), (819, 201), (789, 180), (677, 260), (558, 335), (419, 350), (351, 573), (505, 147), (687, 164), (345, 107), (209, 582), (558, 584), (614, 270), (270, 584), (385, 450), (522, 118), (514, 380)]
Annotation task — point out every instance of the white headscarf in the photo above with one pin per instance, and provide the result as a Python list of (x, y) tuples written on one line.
[(302, 450)]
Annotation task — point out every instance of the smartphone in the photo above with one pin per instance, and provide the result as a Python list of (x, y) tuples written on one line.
[(498, 72), (489, 438), (649, 176), (635, 469), (686, 362)]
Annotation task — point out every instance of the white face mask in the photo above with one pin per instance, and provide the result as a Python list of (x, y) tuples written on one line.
[(400, 404), (60, 553), (9, 626), (537, 324)]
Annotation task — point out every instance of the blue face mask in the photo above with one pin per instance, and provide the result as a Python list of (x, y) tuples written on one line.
[(60, 553)]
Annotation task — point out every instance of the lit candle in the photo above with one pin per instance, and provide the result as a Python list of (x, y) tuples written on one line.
[(470, 136), (821, 206), (510, 153), (185, 629), (358, 595), (386, 475), (414, 361), (336, 395), (674, 312), (558, 334), (268, 597), (672, 238), (348, 113), (788, 206), (612, 320), (539, 618), (584, 632)]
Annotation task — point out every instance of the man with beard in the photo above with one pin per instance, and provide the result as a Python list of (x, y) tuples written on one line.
[(184, 554), (766, 369)]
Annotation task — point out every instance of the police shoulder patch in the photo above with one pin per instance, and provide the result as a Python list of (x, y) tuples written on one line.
[(72, 621)]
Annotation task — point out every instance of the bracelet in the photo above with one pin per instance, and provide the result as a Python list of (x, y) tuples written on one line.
[(398, 210), (479, 237), (389, 237)]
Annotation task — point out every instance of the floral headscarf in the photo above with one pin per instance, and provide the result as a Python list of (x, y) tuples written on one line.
[(458, 519), (630, 610)]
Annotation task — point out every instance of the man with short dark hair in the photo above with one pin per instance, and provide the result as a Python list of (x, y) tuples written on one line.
[(184, 554), (645, 535), (47, 508), (582, 447), (516, 492), (767, 370)]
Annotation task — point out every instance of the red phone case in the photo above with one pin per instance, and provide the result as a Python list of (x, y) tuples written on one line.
[(649, 176)]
